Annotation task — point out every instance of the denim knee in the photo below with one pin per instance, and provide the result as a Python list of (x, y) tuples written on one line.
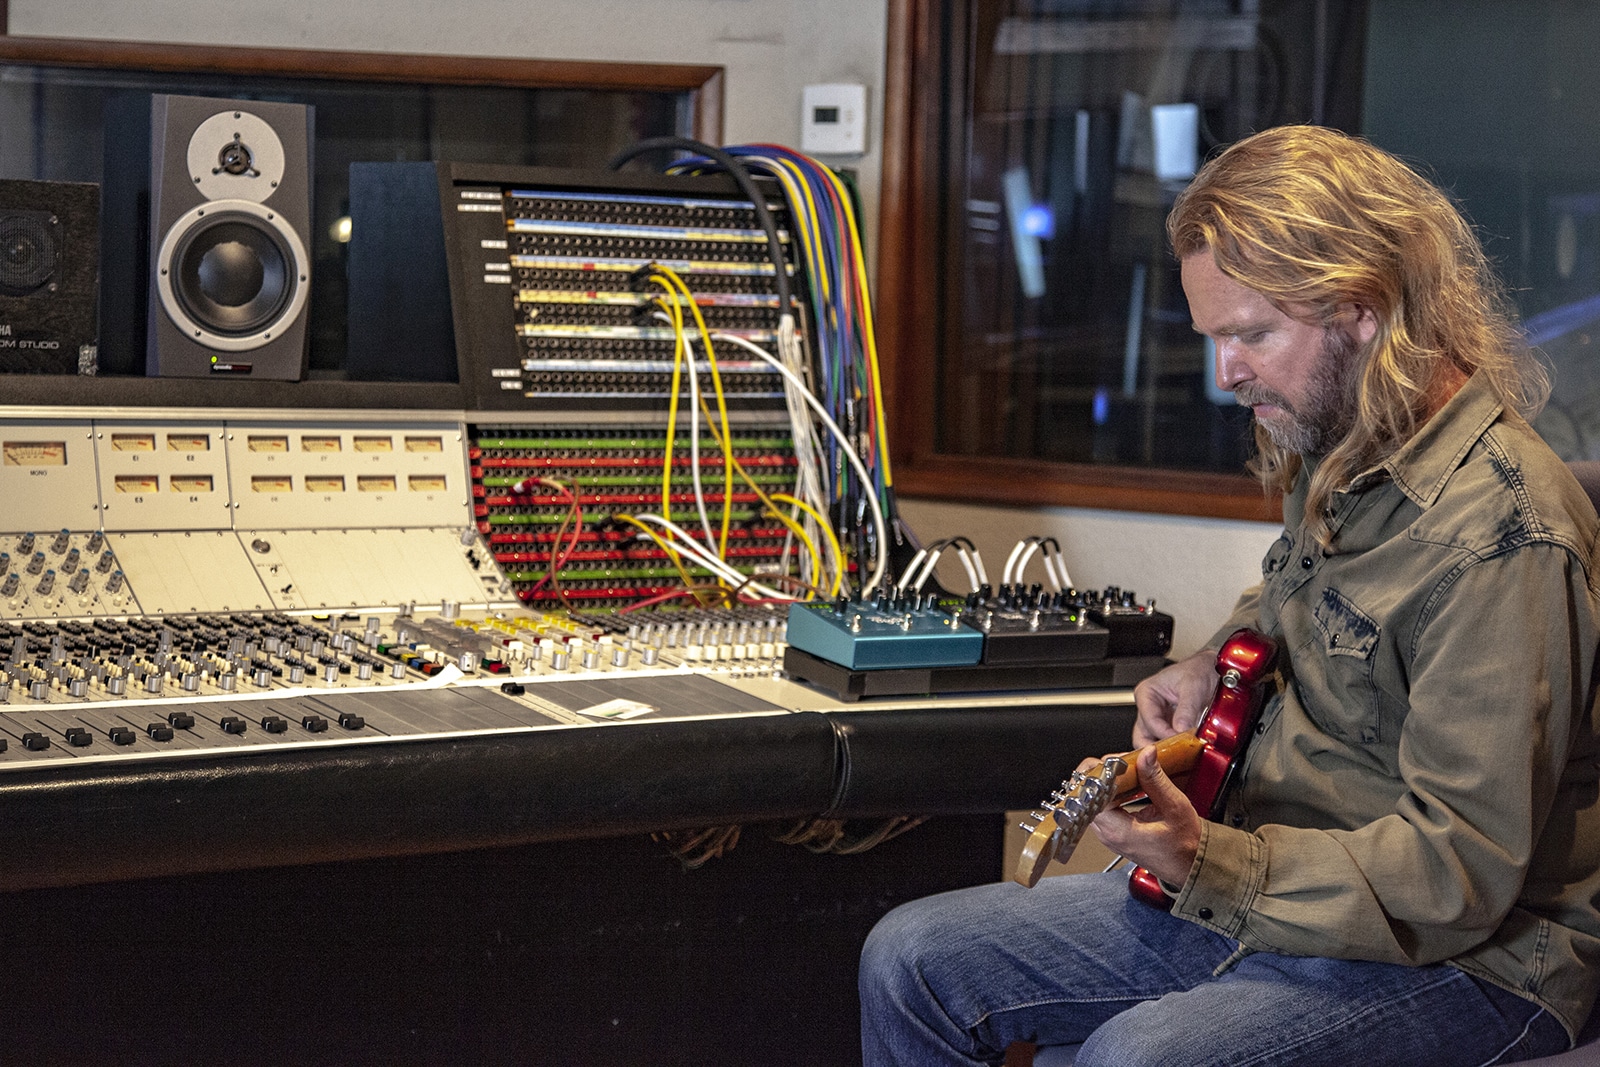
[(892, 953)]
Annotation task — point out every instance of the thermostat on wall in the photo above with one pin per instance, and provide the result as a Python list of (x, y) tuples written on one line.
[(833, 119)]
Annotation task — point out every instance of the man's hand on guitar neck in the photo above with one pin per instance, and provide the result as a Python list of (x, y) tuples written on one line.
[(1173, 699), (1163, 835)]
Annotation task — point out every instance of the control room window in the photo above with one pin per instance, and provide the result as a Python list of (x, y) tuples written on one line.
[(1039, 344)]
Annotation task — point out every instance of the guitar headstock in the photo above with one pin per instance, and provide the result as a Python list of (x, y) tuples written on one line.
[(1054, 831)]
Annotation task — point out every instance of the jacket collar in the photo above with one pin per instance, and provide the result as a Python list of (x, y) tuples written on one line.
[(1422, 466)]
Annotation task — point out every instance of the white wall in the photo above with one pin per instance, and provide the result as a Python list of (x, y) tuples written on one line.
[(769, 49)]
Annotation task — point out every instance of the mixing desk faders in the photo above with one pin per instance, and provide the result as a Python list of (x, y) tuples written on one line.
[(125, 687)]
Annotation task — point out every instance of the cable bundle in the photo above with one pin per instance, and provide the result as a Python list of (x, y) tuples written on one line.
[(844, 475), (1055, 567), (848, 383)]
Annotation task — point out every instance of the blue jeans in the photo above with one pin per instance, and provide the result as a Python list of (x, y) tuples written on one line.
[(955, 978)]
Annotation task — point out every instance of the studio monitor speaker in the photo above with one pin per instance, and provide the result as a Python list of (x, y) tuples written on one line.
[(230, 223), (49, 277)]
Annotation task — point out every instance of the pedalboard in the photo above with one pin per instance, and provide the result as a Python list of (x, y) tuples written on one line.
[(1018, 638), (851, 685), (1033, 625)]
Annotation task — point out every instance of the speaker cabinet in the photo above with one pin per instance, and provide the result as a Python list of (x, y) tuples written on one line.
[(230, 211), (49, 277)]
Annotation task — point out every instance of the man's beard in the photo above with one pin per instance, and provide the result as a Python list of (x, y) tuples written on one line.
[(1329, 409)]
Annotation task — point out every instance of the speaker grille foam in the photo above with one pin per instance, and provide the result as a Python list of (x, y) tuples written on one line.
[(30, 245)]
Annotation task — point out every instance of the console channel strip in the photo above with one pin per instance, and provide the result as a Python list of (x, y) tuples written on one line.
[(556, 503), (605, 284)]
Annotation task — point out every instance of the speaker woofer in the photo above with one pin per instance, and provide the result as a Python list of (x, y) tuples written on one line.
[(232, 276), (231, 273), (30, 244)]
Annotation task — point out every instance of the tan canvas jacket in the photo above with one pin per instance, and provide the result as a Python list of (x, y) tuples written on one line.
[(1423, 787)]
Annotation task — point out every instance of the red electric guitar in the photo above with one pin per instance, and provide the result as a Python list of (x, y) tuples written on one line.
[(1199, 760)]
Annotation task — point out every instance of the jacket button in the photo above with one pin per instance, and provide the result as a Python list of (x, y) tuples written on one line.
[(1306, 561), (1204, 913), (1237, 820)]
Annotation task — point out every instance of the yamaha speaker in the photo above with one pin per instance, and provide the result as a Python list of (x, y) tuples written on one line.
[(230, 223), (49, 277)]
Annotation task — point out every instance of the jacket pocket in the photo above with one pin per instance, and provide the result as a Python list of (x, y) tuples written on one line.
[(1349, 640)]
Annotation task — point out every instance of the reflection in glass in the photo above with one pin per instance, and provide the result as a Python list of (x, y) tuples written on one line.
[(1067, 337)]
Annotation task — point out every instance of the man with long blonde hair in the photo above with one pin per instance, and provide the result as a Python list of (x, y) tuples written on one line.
[(1406, 866)]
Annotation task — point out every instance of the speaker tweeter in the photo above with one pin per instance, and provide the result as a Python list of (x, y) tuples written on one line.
[(49, 277), (230, 207)]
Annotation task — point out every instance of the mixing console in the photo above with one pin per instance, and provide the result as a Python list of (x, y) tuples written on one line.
[(64, 573)]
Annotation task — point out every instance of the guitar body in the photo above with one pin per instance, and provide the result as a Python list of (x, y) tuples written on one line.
[(1199, 760), (1244, 666)]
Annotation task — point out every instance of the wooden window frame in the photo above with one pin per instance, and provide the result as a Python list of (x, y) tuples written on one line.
[(703, 82), (914, 187)]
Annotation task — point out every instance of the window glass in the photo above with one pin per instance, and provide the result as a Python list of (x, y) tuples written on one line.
[(1499, 103), (1071, 125), (70, 124)]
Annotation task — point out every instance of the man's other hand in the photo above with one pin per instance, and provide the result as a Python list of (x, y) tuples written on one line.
[(1172, 700)]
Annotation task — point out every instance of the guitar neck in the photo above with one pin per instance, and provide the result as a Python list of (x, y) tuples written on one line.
[(1177, 755)]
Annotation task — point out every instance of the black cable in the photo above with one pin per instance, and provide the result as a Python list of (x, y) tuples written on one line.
[(741, 175)]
